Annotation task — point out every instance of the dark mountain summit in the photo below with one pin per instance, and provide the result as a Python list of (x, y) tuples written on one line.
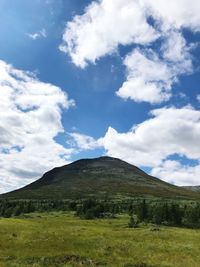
[(99, 177)]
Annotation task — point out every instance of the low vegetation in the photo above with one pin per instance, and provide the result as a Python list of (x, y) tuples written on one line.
[(62, 239), (100, 212)]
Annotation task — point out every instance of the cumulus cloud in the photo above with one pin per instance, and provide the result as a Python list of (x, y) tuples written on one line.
[(169, 131), (30, 112), (175, 49), (84, 142), (173, 171), (106, 24), (149, 77), (175, 14)]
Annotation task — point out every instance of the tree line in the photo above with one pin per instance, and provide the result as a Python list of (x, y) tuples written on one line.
[(9, 208), (161, 213), (171, 213)]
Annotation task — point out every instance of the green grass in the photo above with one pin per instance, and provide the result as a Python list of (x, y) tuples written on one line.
[(59, 239)]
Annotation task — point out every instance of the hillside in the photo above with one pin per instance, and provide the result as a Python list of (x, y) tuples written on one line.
[(99, 177), (193, 188)]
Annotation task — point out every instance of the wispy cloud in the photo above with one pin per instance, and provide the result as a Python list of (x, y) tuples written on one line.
[(42, 33), (83, 142)]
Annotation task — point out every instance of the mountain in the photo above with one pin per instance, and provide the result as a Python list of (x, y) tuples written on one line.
[(99, 177), (193, 188)]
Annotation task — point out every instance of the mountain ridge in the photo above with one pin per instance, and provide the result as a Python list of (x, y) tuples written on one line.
[(98, 177)]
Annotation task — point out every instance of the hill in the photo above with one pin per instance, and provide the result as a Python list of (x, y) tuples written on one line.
[(193, 188), (99, 177)]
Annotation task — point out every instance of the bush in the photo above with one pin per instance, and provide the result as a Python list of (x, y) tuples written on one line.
[(134, 222)]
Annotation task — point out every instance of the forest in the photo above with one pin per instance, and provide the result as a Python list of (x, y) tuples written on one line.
[(159, 212)]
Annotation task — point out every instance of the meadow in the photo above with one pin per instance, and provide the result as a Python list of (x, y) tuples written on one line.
[(62, 239)]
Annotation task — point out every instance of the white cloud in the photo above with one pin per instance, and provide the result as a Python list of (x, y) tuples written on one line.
[(84, 142), (39, 34), (150, 78), (105, 25), (168, 132), (175, 14), (175, 49), (173, 171), (30, 112), (198, 98)]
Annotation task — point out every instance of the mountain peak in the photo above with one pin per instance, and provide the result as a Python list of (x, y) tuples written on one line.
[(99, 177), (101, 158)]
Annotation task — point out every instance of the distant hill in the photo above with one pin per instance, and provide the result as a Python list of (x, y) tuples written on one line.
[(99, 177), (193, 188)]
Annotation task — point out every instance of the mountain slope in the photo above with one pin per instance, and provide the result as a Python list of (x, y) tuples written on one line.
[(193, 188), (99, 177)]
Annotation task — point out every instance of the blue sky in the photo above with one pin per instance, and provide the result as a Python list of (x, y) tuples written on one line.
[(89, 78)]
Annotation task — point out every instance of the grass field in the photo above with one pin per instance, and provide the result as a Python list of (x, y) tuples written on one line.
[(60, 239)]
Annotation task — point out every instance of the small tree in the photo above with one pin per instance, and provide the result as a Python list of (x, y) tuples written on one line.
[(142, 211), (133, 222), (17, 210)]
